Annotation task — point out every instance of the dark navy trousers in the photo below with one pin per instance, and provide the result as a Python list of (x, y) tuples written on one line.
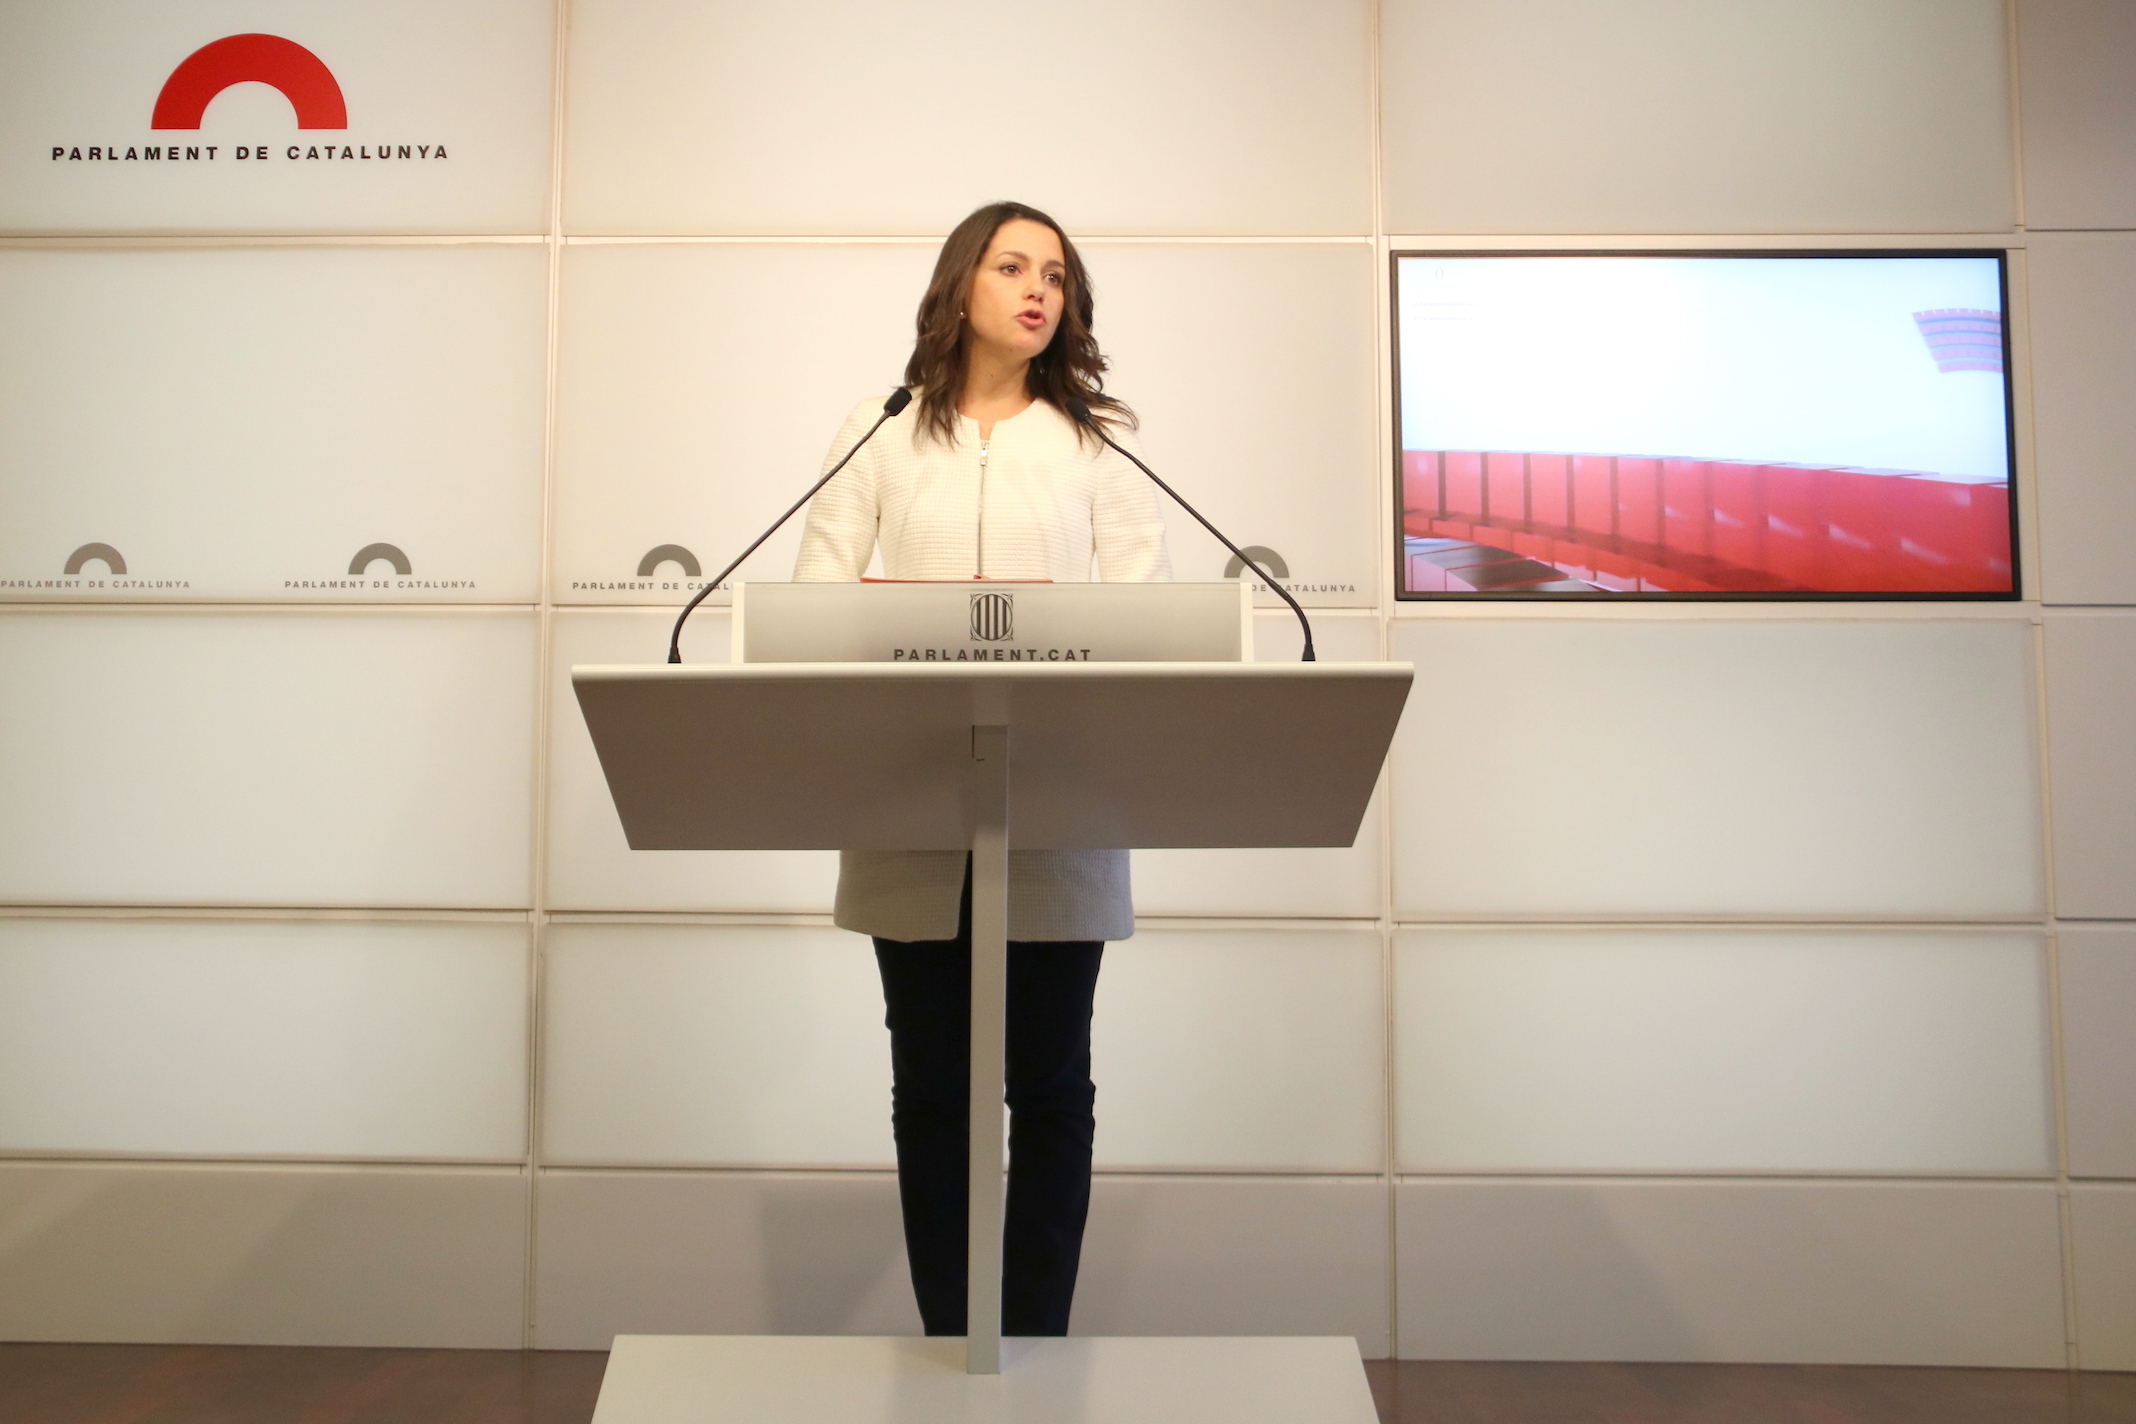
[(927, 987)]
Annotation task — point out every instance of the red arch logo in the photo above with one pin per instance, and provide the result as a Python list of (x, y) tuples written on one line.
[(301, 75)]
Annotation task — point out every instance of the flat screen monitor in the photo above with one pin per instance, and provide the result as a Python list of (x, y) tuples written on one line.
[(1802, 425)]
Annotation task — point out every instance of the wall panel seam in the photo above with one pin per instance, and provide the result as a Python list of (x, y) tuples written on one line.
[(1384, 586), (2014, 72), (488, 1166), (90, 242), (930, 240), (1674, 242), (2058, 1082), (2065, 1214), (544, 675), (1274, 1177), (270, 913), (1808, 1177), (1813, 926), (321, 914)]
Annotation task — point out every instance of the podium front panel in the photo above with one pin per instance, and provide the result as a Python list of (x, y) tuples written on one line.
[(868, 756)]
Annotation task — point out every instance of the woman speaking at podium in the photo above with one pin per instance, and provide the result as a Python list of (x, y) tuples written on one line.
[(985, 476)]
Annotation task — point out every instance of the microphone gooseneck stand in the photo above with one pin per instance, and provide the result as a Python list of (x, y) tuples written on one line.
[(1079, 410), (899, 399)]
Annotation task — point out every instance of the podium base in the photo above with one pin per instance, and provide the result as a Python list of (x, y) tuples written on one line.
[(858, 1379)]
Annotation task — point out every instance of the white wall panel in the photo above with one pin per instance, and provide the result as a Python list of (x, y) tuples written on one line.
[(731, 1045), (683, 414), (1187, 116), (467, 80), (225, 1038), (1252, 367), (1795, 1273), (2082, 302), (2091, 687), (1237, 1256), (2077, 112), (783, 1253), (2098, 974), (1657, 769), (1682, 116), (1668, 1050), (1241, 1050), (591, 866), (241, 423), (763, 1046), (711, 1253), (1321, 882), (263, 1256), (2103, 1220), (262, 758)]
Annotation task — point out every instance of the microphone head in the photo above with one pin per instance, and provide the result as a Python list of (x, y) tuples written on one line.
[(1078, 410), (899, 399)]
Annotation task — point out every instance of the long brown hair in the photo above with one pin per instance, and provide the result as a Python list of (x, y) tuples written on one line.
[(1070, 366)]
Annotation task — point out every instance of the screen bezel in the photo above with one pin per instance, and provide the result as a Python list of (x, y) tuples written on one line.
[(2001, 256)]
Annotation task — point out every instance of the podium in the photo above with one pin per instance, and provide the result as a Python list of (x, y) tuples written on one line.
[(989, 756)]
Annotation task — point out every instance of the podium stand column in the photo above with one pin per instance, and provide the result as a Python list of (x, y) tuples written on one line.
[(990, 994)]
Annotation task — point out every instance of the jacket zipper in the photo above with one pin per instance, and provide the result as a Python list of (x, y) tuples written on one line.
[(980, 570)]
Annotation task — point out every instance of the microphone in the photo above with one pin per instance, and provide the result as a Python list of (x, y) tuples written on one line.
[(899, 399), (1079, 411)]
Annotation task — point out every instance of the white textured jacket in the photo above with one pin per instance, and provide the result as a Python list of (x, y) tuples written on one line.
[(1029, 502)]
